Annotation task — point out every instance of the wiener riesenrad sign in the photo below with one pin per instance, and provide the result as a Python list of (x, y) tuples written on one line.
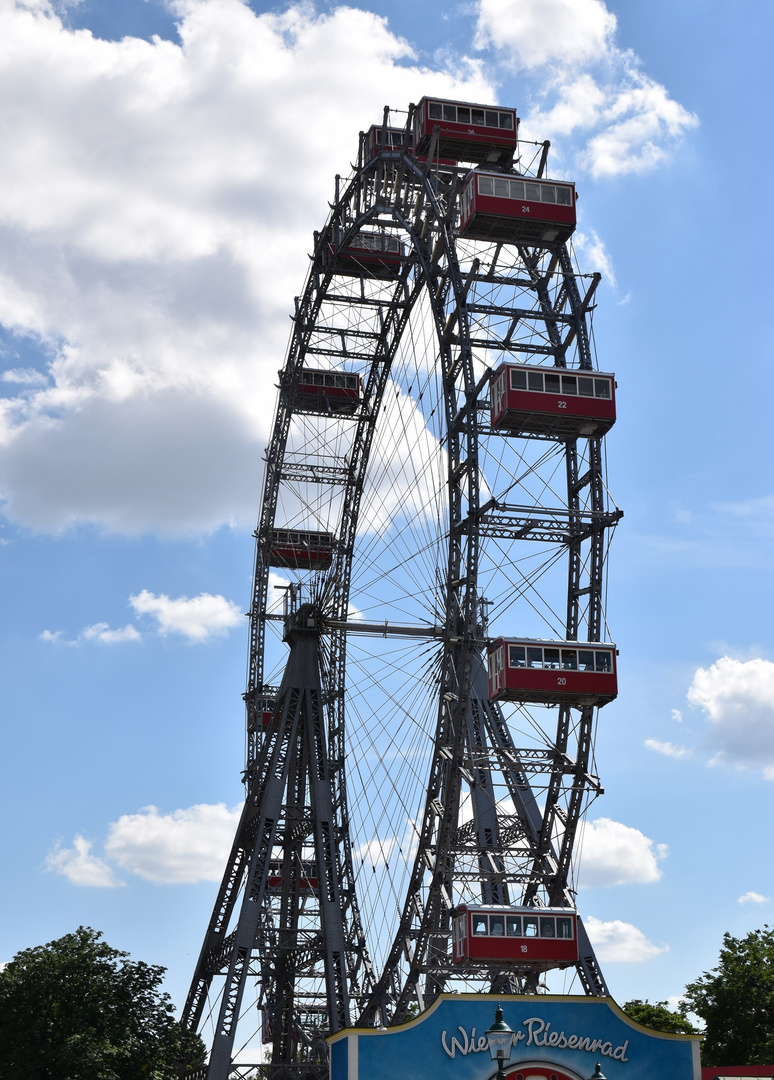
[(540, 1038)]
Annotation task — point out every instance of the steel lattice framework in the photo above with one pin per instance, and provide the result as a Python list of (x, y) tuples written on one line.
[(384, 786)]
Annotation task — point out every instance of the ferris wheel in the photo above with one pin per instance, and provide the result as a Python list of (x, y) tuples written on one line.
[(428, 643)]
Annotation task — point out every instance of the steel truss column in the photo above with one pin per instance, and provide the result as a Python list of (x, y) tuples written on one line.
[(289, 809)]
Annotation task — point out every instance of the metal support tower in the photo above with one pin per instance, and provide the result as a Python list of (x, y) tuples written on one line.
[(288, 811)]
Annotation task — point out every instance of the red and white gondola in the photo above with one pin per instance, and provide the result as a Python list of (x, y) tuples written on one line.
[(465, 131), (264, 711), (519, 935), (552, 672), (390, 140), (307, 877), (322, 391), (300, 549), (396, 140), (369, 254), (502, 208), (554, 402)]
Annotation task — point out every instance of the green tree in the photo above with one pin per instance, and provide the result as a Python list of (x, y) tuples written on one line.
[(76, 1009), (659, 1016), (736, 1002)]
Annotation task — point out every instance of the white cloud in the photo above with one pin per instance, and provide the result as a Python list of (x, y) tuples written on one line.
[(589, 93), (102, 632), (620, 942), (184, 846), (98, 632), (170, 459), (753, 898), (677, 716), (80, 867), (24, 376), (640, 122), (198, 618), (278, 586), (156, 205), (616, 854), (595, 254), (533, 33), (738, 699), (668, 749), (157, 201)]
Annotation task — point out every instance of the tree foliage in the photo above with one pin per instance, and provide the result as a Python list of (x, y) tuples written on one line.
[(736, 1002), (76, 1009), (659, 1016)]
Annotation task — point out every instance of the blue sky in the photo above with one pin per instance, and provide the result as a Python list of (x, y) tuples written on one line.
[(165, 166)]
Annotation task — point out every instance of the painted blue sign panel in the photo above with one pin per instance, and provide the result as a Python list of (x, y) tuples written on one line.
[(554, 1038)]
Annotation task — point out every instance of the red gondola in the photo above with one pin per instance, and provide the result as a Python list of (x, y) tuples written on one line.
[(264, 710), (299, 549), (466, 132), (516, 209), (556, 402), (328, 391), (397, 140), (370, 254), (527, 935), (552, 672), (307, 882)]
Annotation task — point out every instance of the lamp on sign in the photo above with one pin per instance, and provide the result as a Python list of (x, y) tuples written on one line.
[(500, 1038)]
